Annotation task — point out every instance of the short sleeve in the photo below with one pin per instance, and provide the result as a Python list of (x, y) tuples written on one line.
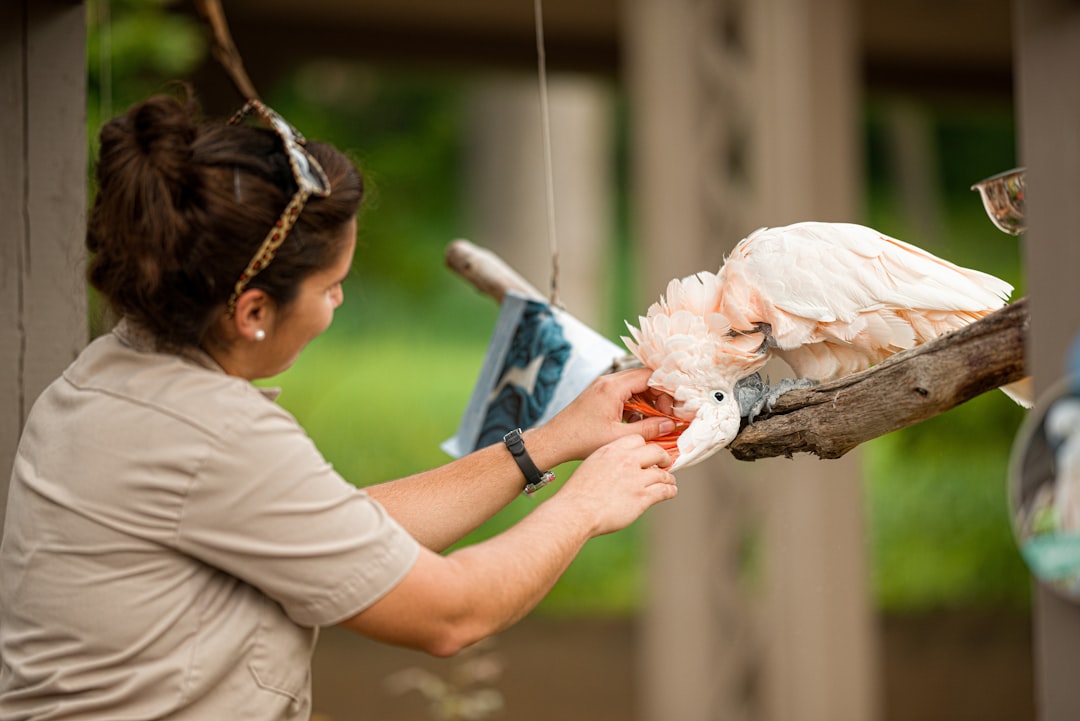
[(266, 507)]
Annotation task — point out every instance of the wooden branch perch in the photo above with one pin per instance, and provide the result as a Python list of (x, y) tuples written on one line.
[(487, 271), (909, 387), (831, 419)]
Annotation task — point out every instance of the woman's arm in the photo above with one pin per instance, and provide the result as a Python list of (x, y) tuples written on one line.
[(448, 602), (441, 506)]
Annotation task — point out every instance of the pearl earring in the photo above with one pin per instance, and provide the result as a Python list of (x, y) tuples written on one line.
[(260, 334)]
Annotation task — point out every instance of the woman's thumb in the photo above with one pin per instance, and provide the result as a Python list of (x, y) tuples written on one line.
[(653, 428)]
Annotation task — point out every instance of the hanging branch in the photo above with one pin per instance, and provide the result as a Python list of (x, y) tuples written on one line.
[(833, 418), (224, 49), (487, 271)]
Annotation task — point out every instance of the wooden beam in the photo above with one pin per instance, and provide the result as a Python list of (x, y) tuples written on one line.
[(936, 52)]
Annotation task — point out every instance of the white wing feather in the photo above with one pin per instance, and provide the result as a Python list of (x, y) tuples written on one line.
[(833, 271), (862, 294)]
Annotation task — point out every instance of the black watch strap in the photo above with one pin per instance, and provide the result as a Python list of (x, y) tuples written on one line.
[(535, 479)]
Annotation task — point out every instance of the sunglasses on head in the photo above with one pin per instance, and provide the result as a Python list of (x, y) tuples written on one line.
[(310, 180)]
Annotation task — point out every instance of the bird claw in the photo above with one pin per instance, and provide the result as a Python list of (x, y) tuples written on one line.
[(757, 397), (749, 394)]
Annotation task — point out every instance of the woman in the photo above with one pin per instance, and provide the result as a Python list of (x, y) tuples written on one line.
[(173, 538)]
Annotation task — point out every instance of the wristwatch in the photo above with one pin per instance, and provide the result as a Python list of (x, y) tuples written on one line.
[(535, 479)]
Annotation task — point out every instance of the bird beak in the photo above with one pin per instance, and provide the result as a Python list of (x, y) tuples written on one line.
[(712, 429), (689, 443), (637, 408), (694, 456)]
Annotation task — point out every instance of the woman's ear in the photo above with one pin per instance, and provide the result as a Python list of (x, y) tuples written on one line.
[(254, 315)]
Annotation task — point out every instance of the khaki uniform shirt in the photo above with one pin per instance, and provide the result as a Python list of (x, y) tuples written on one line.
[(173, 539)]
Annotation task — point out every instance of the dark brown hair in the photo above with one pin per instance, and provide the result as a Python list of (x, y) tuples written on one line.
[(183, 205)]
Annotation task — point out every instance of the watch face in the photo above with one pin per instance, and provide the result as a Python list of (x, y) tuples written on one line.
[(545, 478)]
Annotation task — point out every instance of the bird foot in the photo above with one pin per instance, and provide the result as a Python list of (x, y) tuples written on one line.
[(756, 396), (748, 394)]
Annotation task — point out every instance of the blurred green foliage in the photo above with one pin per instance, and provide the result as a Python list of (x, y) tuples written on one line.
[(135, 48), (386, 385), (404, 132), (937, 508)]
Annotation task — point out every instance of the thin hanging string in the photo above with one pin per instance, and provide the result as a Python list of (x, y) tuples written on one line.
[(545, 123), (104, 22)]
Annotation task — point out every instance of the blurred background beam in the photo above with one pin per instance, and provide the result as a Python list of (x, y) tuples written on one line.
[(506, 195), (1048, 112), (43, 201), (923, 49)]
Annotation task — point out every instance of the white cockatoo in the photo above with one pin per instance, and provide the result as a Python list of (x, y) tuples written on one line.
[(830, 299)]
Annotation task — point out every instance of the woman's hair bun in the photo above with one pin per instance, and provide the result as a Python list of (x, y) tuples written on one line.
[(153, 142), (147, 182), (164, 131)]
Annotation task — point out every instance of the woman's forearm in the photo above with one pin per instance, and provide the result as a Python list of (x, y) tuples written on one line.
[(448, 602), (441, 506)]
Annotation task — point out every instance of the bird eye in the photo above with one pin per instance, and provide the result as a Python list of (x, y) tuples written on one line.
[(719, 396)]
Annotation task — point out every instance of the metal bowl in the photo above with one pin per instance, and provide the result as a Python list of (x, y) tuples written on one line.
[(1003, 198)]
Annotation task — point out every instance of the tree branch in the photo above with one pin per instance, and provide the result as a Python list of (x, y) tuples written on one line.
[(831, 419)]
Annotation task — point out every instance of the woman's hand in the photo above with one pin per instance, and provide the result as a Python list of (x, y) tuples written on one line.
[(595, 418), (619, 482)]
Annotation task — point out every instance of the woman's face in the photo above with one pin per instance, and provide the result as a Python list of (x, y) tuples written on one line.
[(311, 310)]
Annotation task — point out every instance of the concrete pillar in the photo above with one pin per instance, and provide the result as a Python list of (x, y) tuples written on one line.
[(43, 201), (745, 114)]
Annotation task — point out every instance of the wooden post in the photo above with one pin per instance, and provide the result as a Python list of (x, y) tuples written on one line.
[(43, 201), (1048, 51)]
